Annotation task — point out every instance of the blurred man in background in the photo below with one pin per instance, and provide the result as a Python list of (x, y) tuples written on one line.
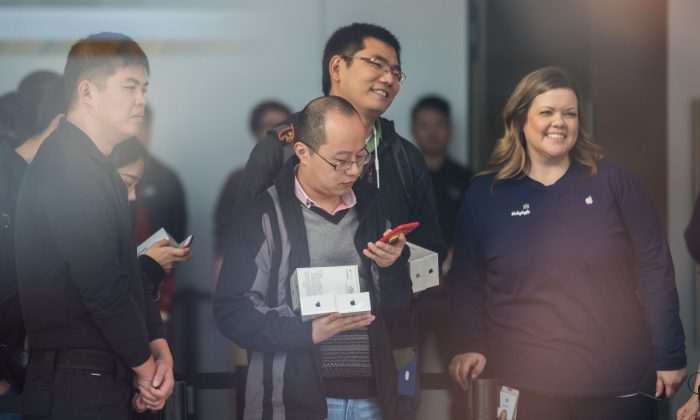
[(40, 106), (263, 117), (431, 126)]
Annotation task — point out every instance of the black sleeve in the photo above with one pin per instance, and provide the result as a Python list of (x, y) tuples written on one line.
[(224, 212), (151, 270), (151, 276), (83, 226), (655, 276), (395, 288), (176, 212), (154, 321), (465, 281), (8, 202), (263, 166), (692, 233), (424, 208)]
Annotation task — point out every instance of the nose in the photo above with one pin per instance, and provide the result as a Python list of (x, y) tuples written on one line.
[(387, 78), (353, 170), (558, 120), (141, 97)]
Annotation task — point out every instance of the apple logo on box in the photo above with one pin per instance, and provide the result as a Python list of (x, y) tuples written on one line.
[(318, 304), (352, 302)]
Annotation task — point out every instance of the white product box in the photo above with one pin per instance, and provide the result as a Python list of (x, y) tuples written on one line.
[(315, 306), (353, 303), (423, 267), (347, 304), (315, 281), (159, 235), (318, 291)]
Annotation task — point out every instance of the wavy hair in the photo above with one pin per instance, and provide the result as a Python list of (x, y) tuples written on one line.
[(509, 158)]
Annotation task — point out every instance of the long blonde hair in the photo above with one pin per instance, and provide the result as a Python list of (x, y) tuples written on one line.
[(509, 158)]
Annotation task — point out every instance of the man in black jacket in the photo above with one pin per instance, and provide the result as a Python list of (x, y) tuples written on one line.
[(91, 319), (315, 215), (362, 64)]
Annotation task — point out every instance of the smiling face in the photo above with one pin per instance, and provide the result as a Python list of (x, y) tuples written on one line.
[(369, 88), (551, 128), (119, 101)]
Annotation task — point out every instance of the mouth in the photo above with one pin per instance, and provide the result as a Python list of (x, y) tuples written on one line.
[(556, 136), (380, 92)]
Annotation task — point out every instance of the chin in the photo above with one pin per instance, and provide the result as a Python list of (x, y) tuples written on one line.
[(381, 107)]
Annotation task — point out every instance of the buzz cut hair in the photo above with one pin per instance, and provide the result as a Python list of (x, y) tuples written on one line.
[(311, 128)]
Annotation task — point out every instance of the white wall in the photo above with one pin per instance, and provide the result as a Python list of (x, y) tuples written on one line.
[(683, 87)]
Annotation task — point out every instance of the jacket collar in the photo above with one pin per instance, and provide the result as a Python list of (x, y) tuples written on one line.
[(79, 139)]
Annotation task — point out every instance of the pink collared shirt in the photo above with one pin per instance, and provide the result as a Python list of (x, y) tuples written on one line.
[(347, 201)]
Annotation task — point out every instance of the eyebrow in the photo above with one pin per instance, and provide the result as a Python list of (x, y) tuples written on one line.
[(551, 107), (348, 153), (135, 81), (381, 57), (343, 153)]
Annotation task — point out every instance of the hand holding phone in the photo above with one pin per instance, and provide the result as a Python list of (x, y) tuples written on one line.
[(385, 251), (393, 235)]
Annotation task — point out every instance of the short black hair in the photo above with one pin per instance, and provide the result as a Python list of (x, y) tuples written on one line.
[(350, 39), (97, 57), (311, 128), (41, 102), (10, 119), (263, 108), (127, 152), (32, 89), (434, 102)]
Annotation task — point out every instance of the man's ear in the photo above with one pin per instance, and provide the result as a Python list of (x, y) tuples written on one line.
[(302, 152), (335, 68), (85, 91)]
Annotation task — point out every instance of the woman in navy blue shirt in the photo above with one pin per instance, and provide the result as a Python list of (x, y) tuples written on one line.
[(563, 282)]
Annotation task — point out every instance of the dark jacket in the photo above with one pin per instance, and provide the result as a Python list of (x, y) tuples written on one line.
[(405, 183), (692, 232), (252, 304), (12, 168), (80, 283)]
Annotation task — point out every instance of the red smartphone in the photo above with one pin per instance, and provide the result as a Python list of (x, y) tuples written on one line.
[(393, 236)]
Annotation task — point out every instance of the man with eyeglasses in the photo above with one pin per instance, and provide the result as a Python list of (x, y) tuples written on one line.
[(315, 215), (362, 64)]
